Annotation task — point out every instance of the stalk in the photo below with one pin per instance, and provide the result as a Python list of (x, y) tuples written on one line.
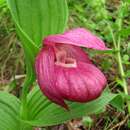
[(24, 110), (25, 89), (122, 73), (120, 65)]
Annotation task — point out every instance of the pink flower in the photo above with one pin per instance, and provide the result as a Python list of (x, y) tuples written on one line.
[(65, 72)]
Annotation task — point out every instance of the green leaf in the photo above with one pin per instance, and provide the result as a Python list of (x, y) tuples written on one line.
[(39, 18), (125, 57), (9, 112), (125, 32), (110, 51), (2, 2), (42, 112), (34, 20), (87, 121), (118, 102), (128, 123)]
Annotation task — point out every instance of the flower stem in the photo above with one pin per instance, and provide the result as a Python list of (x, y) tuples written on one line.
[(25, 89), (23, 111)]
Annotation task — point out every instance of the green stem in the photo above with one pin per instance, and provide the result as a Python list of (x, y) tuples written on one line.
[(23, 111), (122, 74), (113, 38), (25, 89), (120, 64), (24, 126)]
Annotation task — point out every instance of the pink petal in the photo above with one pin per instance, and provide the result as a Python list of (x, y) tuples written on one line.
[(46, 75), (77, 37), (81, 84)]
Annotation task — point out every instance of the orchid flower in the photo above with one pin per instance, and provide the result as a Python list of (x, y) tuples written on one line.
[(65, 72)]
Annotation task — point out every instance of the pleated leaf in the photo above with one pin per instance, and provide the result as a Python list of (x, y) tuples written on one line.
[(35, 19), (42, 112), (9, 112)]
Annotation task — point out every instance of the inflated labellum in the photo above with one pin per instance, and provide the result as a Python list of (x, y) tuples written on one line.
[(65, 72)]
